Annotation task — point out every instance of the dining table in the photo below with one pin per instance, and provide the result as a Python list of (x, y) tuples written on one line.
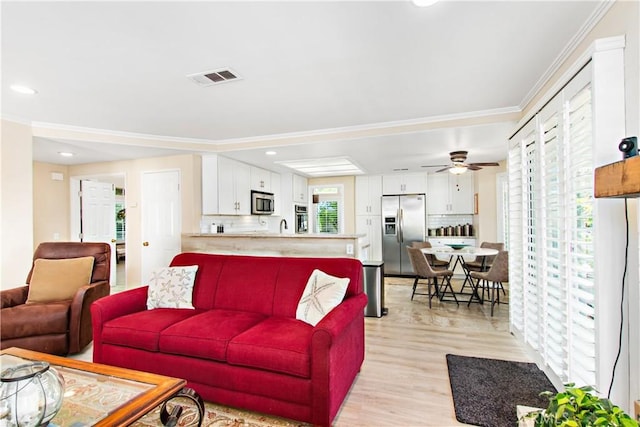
[(460, 252)]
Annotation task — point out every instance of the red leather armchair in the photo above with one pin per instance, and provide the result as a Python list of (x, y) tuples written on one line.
[(60, 327)]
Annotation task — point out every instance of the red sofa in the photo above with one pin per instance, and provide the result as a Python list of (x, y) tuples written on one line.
[(242, 346)]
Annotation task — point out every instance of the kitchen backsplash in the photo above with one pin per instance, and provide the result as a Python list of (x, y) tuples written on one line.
[(434, 222), (240, 223)]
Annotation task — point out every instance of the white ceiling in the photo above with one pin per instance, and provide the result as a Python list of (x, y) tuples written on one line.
[(319, 79)]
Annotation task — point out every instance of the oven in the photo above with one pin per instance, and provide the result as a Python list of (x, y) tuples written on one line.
[(302, 219), (261, 203)]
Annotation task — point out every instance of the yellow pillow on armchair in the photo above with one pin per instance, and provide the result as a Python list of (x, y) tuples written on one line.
[(58, 279)]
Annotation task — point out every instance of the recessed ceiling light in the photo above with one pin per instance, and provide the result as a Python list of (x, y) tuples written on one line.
[(270, 153), (424, 3), (25, 90), (66, 154)]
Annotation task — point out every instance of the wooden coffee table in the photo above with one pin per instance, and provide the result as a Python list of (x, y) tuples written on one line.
[(103, 395)]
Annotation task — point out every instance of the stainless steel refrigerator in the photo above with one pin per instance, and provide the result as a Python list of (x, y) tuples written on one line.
[(403, 222)]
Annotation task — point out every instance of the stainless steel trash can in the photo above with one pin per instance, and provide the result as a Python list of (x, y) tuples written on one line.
[(374, 288)]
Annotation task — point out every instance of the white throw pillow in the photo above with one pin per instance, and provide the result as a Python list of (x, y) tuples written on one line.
[(172, 287), (321, 295)]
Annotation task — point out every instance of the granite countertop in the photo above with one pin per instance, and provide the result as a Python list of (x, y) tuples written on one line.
[(262, 234)]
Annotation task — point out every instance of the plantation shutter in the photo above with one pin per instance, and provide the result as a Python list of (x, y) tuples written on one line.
[(551, 264), (516, 240), (327, 216), (531, 285), (554, 236), (327, 208), (581, 260)]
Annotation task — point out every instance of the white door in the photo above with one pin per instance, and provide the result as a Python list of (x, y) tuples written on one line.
[(98, 216), (161, 220)]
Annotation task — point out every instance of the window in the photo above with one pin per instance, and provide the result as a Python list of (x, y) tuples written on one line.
[(327, 211), (566, 249), (120, 215), (551, 250)]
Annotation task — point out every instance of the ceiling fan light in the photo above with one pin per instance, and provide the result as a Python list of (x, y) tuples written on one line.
[(458, 170)]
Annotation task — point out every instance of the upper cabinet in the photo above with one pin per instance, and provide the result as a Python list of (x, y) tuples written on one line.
[(260, 179), (227, 185), (300, 189), (368, 193), (210, 184), (234, 188), (277, 192), (408, 183), (450, 194)]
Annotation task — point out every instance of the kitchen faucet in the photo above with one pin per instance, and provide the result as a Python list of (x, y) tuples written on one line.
[(283, 222)]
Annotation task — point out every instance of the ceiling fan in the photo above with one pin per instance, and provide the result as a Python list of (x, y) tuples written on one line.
[(458, 165)]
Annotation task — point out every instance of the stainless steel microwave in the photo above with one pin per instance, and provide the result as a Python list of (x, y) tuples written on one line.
[(261, 203)]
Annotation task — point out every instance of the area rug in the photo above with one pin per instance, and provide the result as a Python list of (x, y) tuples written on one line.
[(487, 391), (218, 416)]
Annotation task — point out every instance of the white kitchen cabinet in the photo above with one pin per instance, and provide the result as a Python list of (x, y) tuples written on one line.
[(371, 225), (227, 185), (234, 187), (407, 183), (261, 179), (368, 194), (277, 191), (450, 194), (300, 189), (210, 184)]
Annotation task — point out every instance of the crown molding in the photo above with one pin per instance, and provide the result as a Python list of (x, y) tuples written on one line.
[(381, 128), (598, 45), (59, 131), (592, 21), (15, 119)]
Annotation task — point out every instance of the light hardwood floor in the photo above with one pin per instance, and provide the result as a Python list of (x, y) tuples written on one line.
[(404, 379)]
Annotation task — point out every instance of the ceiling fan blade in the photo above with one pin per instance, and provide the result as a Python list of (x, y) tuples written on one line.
[(433, 166), (473, 167), (485, 164), (443, 169)]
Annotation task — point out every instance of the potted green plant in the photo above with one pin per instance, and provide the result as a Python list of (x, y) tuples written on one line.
[(577, 407)]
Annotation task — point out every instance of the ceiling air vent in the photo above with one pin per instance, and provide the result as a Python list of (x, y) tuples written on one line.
[(214, 77)]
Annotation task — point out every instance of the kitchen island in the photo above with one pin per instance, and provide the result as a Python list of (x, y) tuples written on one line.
[(275, 244)]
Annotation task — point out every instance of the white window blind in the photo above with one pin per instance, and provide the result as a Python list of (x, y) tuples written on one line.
[(550, 233), (531, 285), (581, 260), (516, 240), (553, 212), (327, 209)]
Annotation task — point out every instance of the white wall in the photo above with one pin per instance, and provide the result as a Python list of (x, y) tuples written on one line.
[(486, 222), (16, 203)]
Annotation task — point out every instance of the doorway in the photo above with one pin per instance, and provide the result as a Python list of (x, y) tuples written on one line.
[(95, 203), (161, 219)]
